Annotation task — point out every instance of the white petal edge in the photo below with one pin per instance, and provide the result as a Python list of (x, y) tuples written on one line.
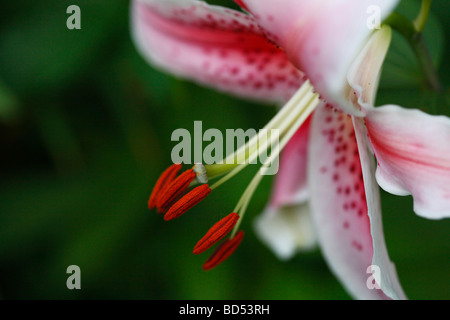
[(389, 283), (286, 230)]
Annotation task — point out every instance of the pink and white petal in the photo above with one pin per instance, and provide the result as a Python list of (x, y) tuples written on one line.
[(286, 230), (413, 153), (291, 183), (285, 225), (388, 278), (364, 74), (213, 46), (321, 37), (339, 203)]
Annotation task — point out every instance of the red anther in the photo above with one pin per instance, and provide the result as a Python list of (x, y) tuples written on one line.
[(163, 181), (219, 230), (170, 194), (187, 202), (223, 251)]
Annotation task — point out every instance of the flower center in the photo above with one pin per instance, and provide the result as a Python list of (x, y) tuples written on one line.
[(169, 194)]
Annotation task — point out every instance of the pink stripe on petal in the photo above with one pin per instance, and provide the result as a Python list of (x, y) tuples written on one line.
[(322, 37), (213, 46), (339, 204), (413, 154)]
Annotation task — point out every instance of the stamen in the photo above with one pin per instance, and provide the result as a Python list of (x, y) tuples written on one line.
[(248, 193), (168, 192), (187, 202), (219, 230), (163, 181), (223, 251), (258, 143), (305, 105), (177, 186), (244, 201)]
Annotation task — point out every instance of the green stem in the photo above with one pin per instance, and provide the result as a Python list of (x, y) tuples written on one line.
[(419, 23), (416, 40), (426, 64)]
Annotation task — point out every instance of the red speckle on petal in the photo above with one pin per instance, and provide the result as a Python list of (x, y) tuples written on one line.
[(234, 70), (358, 246), (344, 207), (257, 85), (282, 65), (347, 191), (251, 60)]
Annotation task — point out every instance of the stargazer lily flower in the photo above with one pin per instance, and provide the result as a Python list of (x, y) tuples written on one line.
[(322, 59)]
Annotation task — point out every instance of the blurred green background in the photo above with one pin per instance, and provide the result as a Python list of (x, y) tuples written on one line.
[(85, 127)]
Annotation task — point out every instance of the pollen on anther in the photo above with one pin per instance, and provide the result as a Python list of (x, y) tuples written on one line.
[(219, 230), (171, 193), (223, 251), (163, 181), (188, 201)]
